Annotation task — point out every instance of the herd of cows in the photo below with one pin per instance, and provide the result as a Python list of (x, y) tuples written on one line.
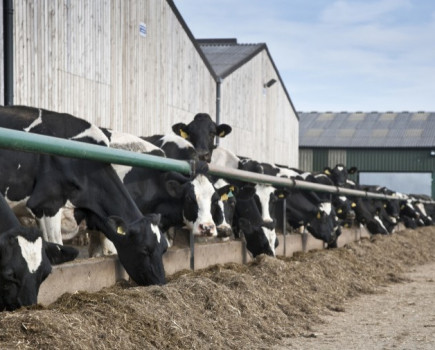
[(133, 208)]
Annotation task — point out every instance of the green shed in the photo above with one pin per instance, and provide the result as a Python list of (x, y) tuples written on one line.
[(391, 149)]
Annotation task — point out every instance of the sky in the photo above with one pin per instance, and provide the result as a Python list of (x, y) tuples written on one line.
[(334, 55)]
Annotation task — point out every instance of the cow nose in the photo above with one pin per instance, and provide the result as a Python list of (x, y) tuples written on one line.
[(224, 231), (205, 156), (206, 229)]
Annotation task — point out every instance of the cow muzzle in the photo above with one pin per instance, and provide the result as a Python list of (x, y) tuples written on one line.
[(207, 229)]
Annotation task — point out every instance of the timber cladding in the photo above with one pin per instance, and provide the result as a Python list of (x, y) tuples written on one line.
[(134, 66), (128, 65)]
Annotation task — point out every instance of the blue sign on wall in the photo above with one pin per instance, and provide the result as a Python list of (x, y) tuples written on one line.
[(142, 29)]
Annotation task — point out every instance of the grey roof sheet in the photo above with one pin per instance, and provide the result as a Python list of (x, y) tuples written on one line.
[(367, 130), (226, 55)]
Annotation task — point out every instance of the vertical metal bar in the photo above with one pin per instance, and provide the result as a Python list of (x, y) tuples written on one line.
[(284, 224), (8, 50), (192, 251), (218, 104)]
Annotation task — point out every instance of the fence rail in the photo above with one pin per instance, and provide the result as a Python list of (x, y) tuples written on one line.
[(29, 142)]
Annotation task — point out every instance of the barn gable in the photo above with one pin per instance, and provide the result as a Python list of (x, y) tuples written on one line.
[(254, 101)]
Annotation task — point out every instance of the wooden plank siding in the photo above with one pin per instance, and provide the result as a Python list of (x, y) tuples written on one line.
[(88, 59), (264, 123)]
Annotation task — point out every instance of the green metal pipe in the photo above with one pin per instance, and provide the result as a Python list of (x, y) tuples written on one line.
[(24, 141), (29, 142)]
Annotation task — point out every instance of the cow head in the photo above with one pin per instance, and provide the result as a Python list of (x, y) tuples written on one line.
[(266, 197), (25, 262), (201, 132), (140, 247), (339, 174), (199, 201), (260, 239), (260, 235), (224, 213), (343, 209), (368, 213), (324, 224)]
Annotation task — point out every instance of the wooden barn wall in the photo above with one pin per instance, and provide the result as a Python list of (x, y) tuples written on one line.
[(88, 58), (2, 77), (264, 124)]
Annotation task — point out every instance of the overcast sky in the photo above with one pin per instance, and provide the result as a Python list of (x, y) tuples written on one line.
[(334, 55)]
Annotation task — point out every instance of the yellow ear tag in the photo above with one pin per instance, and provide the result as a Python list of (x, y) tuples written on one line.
[(183, 134), (224, 197), (281, 195), (327, 172), (339, 211), (319, 215), (385, 205), (232, 188), (120, 230), (353, 205), (222, 134)]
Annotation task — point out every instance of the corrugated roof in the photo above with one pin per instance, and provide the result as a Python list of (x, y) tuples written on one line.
[(367, 130), (226, 55)]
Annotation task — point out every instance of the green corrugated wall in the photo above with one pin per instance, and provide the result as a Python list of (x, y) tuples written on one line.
[(382, 160)]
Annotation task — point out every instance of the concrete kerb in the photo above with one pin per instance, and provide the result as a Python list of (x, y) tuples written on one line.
[(93, 274)]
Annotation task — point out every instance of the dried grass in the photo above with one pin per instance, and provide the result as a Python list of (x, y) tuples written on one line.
[(223, 307)]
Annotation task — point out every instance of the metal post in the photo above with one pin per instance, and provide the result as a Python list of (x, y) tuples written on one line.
[(8, 51), (192, 251), (284, 224)]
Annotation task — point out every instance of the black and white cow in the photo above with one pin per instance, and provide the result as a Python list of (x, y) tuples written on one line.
[(339, 174), (255, 204), (369, 212), (307, 209), (201, 132), (25, 260), (46, 183), (221, 211)]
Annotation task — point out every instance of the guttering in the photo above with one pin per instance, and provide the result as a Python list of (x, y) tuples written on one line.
[(218, 104), (8, 51)]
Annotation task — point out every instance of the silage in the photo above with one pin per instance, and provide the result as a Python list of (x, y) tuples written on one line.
[(223, 307)]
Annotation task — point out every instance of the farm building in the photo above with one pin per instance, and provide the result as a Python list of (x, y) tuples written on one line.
[(396, 150), (135, 66), (254, 100)]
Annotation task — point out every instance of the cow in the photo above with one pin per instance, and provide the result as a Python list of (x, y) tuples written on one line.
[(222, 211), (46, 183), (420, 208), (201, 132), (339, 174), (223, 218), (369, 212), (255, 204), (26, 260), (308, 209)]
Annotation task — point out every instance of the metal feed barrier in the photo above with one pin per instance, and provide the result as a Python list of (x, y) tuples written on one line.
[(29, 142)]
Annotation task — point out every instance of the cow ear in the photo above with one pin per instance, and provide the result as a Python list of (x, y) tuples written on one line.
[(118, 225), (181, 130), (58, 254), (174, 188), (352, 170), (281, 193), (154, 218), (327, 170), (223, 130)]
